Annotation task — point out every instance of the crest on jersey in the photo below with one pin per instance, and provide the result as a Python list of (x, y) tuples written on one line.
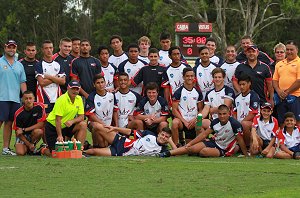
[(237, 104), (184, 98), (230, 94), (98, 104), (148, 139), (117, 100), (161, 57), (128, 70), (147, 111), (200, 74), (171, 75), (110, 100)]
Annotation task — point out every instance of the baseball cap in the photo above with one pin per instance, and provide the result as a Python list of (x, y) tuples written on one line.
[(254, 47), (74, 84), (11, 42), (266, 105)]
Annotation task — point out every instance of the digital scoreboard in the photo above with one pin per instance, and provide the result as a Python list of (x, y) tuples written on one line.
[(190, 36)]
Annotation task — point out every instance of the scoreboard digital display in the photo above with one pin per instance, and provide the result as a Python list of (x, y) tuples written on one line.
[(190, 36)]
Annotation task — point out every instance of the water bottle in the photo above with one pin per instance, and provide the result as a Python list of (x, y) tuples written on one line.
[(199, 122)]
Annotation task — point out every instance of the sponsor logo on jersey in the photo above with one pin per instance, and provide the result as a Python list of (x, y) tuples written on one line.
[(131, 101)]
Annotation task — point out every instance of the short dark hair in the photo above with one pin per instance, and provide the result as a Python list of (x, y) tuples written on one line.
[(75, 39), (30, 43), (289, 115), (85, 40), (223, 107), (202, 48), (151, 86), (173, 48), (133, 45), (115, 37), (292, 42), (164, 36), (123, 74), (102, 47), (244, 77), (246, 37), (46, 42), (167, 130), (187, 69), (153, 50), (97, 77), (211, 39), (218, 70), (27, 92)]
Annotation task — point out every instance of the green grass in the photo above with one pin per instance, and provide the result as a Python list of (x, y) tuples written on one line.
[(148, 177)]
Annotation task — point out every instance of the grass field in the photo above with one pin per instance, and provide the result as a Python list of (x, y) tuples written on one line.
[(148, 177)]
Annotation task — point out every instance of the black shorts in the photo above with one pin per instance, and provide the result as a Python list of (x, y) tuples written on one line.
[(212, 144), (189, 133), (265, 143), (51, 134), (117, 146)]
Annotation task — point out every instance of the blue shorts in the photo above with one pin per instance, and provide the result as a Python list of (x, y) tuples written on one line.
[(27, 136), (285, 106), (295, 148), (117, 146), (212, 144), (8, 109)]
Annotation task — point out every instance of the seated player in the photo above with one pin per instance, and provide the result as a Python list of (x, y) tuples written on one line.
[(227, 133), (153, 111), (29, 124), (144, 143), (289, 138), (101, 109), (67, 117), (127, 102), (246, 106), (220, 94), (263, 133), (187, 103)]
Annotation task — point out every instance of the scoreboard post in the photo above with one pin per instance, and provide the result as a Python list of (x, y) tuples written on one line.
[(190, 36)]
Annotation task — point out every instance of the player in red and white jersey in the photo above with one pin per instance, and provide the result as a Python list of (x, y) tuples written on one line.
[(108, 69), (101, 109), (127, 101), (187, 103), (173, 78), (50, 75), (227, 133), (144, 142), (230, 65), (118, 55), (152, 111), (289, 138), (132, 65), (263, 133), (246, 106), (203, 71)]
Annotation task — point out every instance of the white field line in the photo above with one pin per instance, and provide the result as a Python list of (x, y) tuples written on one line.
[(8, 167)]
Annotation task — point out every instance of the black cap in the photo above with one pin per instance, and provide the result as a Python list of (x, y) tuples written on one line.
[(11, 42), (73, 84), (254, 47), (266, 105)]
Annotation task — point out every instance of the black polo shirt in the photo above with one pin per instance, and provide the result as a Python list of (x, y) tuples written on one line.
[(29, 68), (84, 69), (259, 75), (64, 62)]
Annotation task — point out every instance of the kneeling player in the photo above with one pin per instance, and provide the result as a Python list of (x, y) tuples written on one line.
[(228, 132), (144, 143), (28, 124), (289, 138), (264, 129)]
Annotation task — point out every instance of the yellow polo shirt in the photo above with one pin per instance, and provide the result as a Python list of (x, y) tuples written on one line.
[(286, 73), (66, 109)]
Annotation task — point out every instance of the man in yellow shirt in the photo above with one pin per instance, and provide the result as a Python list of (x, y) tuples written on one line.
[(67, 117), (286, 82)]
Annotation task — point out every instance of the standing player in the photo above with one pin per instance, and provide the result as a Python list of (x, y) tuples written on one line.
[(230, 65), (108, 69), (173, 78), (144, 44), (127, 101), (211, 44), (203, 71), (67, 118), (75, 53), (85, 68), (227, 133), (220, 94), (152, 111), (187, 103), (165, 43), (29, 124), (246, 106), (145, 143), (64, 59), (153, 72), (13, 80), (263, 133), (50, 75), (101, 109), (118, 55), (132, 65), (29, 63)]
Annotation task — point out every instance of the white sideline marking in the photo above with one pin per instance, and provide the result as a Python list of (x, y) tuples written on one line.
[(8, 167)]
